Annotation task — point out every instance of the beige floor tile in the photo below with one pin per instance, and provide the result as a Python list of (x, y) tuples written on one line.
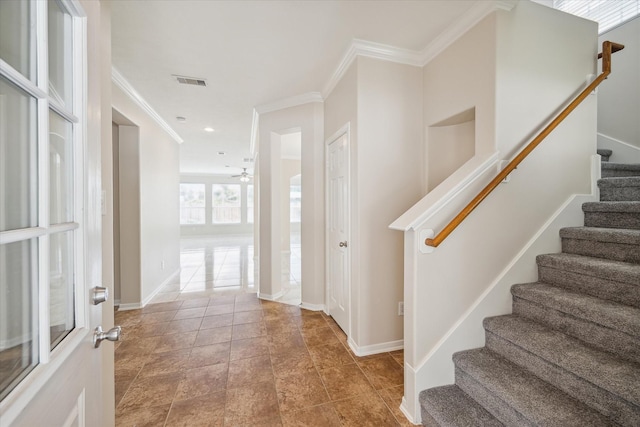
[(245, 372), (201, 411), (209, 355), (144, 417), (213, 336), (149, 392), (316, 416), (365, 410), (299, 391), (383, 372), (330, 355), (251, 347), (203, 380), (345, 381)]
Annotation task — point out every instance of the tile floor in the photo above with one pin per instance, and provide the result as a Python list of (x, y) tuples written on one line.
[(224, 265), (219, 356)]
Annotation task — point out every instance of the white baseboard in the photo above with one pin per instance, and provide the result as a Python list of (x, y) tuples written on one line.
[(622, 152), (116, 302), (405, 412), (312, 307), (367, 350), (139, 305), (130, 306), (157, 290), (269, 297)]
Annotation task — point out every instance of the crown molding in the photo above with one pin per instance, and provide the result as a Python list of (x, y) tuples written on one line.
[(293, 101), (453, 32), (370, 50), (417, 58), (133, 94)]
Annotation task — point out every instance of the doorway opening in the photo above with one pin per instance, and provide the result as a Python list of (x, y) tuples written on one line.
[(291, 217)]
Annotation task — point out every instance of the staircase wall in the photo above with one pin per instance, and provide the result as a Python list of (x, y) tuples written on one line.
[(536, 70), (619, 98)]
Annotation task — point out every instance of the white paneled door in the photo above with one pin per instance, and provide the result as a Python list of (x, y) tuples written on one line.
[(338, 230), (49, 218)]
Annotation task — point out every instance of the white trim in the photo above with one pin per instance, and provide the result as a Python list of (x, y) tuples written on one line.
[(405, 412), (255, 129), (453, 32), (157, 290), (15, 77), (312, 307), (368, 350), (411, 57), (621, 149), (436, 200), (133, 94), (130, 306), (12, 236), (270, 297), (292, 101)]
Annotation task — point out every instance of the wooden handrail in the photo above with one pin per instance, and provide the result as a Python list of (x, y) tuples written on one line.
[(607, 49)]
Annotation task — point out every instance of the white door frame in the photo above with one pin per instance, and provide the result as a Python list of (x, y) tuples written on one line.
[(343, 131)]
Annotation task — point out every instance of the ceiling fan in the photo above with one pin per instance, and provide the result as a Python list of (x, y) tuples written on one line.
[(244, 176)]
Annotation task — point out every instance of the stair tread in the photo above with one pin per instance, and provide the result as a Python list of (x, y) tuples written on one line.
[(604, 151), (606, 313), (601, 234), (450, 406), (598, 367), (627, 181), (621, 166), (536, 400), (624, 207), (617, 271)]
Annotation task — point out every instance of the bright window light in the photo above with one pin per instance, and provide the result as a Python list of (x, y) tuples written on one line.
[(608, 13)]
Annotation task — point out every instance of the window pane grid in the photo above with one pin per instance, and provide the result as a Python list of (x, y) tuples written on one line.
[(607, 13), (225, 204), (37, 259)]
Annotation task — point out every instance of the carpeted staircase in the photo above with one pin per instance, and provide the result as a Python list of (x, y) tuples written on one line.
[(569, 355)]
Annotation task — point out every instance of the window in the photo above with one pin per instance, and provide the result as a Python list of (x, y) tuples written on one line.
[(192, 204), (225, 204), (40, 156), (607, 13)]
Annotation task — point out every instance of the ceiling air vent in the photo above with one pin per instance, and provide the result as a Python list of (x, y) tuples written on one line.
[(194, 81)]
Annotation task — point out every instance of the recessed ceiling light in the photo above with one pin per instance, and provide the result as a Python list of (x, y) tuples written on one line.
[(227, 166), (221, 153), (209, 129), (181, 119)]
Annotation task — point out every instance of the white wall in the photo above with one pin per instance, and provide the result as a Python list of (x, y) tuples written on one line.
[(619, 96), (159, 197), (307, 119), (382, 101)]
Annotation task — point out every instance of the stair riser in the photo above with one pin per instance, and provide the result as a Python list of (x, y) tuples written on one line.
[(624, 293), (623, 345), (427, 420), (620, 194), (492, 403), (606, 250), (612, 220), (610, 405)]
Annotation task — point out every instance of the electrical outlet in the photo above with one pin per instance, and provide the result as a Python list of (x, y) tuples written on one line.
[(401, 308)]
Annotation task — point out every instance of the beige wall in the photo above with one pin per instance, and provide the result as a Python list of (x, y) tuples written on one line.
[(158, 197), (619, 96), (307, 119), (382, 101)]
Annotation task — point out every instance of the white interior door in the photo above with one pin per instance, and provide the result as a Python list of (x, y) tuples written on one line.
[(49, 218), (338, 230)]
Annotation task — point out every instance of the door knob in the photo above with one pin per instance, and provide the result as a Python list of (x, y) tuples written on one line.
[(343, 244), (112, 334)]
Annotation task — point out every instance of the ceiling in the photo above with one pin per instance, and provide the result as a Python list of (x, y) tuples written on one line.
[(250, 53)]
